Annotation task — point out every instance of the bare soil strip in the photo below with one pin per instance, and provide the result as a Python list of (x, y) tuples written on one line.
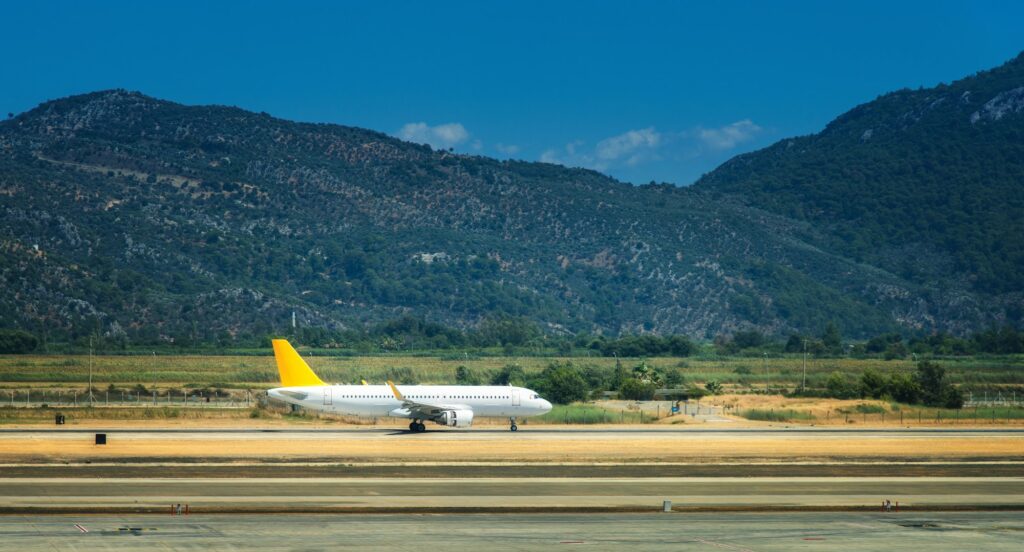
[(525, 448)]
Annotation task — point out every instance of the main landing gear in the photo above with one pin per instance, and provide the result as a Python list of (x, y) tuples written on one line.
[(417, 427), (513, 427)]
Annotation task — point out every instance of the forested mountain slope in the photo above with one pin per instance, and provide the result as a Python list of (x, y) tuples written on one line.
[(927, 184), (131, 216)]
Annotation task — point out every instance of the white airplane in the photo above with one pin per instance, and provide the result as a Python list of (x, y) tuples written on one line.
[(447, 405)]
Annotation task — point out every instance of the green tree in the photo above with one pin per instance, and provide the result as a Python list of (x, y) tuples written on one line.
[(680, 345), (904, 388), (880, 343), (466, 376), (748, 339), (839, 386), (952, 397), (832, 339), (17, 342), (620, 375), (895, 350), (562, 383), (646, 374), (935, 389), (795, 344), (673, 377), (873, 384), (510, 374), (635, 390), (507, 331)]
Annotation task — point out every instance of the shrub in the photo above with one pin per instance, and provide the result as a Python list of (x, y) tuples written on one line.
[(764, 415), (903, 388), (839, 386), (636, 390), (510, 374), (562, 383), (872, 384), (465, 376), (17, 342)]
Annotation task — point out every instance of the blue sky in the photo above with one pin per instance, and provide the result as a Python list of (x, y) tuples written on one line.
[(643, 91)]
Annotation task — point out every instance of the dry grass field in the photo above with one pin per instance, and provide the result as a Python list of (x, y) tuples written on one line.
[(470, 446)]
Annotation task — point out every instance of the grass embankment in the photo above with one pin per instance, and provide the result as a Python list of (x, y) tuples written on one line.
[(560, 414), (249, 371), (771, 415), (590, 414), (832, 411), (60, 381), (9, 415)]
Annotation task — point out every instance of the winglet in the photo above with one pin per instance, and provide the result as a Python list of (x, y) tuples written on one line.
[(293, 370), (395, 391)]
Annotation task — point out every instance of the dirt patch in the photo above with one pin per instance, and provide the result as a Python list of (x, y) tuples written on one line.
[(369, 446)]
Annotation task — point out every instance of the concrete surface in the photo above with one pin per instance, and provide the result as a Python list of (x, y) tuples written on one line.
[(736, 532), (595, 445), (304, 494)]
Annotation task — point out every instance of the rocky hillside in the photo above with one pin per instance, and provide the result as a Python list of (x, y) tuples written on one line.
[(925, 184), (131, 216)]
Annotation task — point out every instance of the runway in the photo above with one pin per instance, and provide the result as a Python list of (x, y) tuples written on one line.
[(496, 493), (529, 445), (566, 469), (738, 532), (539, 430)]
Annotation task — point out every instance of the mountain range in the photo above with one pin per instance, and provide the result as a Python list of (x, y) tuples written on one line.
[(130, 216)]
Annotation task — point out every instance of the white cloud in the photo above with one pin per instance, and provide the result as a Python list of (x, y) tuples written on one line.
[(654, 150), (629, 148), (550, 156), (508, 150), (729, 136), (630, 145), (440, 136)]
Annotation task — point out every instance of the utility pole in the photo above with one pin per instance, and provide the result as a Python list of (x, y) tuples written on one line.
[(90, 370), (767, 383), (803, 386)]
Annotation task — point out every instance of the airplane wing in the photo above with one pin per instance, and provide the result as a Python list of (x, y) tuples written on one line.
[(423, 410)]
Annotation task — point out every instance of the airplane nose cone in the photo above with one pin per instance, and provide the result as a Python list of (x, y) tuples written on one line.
[(545, 405)]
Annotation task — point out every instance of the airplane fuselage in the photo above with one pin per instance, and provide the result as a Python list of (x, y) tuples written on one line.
[(379, 401)]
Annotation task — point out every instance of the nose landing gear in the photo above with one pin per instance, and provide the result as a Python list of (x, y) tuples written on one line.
[(513, 427)]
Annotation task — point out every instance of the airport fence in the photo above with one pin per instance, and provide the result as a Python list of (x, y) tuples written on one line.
[(126, 398), (974, 415)]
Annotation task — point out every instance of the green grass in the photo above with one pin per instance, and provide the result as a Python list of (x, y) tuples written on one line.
[(10, 415), (869, 409), (772, 415), (987, 413), (259, 371), (590, 414)]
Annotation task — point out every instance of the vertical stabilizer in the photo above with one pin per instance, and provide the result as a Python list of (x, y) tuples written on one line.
[(293, 370)]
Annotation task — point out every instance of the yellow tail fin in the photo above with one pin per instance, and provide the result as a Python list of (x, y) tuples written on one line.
[(294, 371)]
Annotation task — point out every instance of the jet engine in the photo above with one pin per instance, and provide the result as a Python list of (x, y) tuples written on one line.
[(456, 418)]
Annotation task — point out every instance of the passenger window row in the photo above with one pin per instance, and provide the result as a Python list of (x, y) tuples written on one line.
[(426, 397)]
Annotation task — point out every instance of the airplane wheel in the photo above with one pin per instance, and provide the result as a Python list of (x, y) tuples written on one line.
[(421, 427), (514, 427), (413, 426)]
